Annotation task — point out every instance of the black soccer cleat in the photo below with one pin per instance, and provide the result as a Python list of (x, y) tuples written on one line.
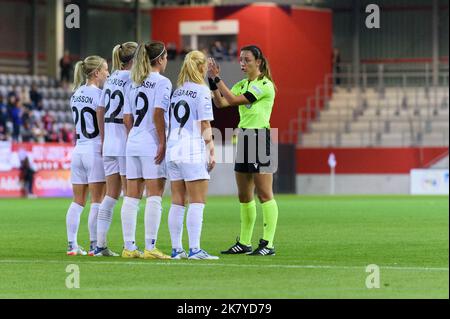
[(263, 250), (238, 248)]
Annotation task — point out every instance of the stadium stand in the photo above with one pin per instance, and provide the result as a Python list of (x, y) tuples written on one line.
[(45, 117), (379, 116)]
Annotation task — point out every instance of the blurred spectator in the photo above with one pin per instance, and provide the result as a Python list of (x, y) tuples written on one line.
[(24, 97), (48, 121), (14, 115), (3, 134), (16, 119), (205, 52), (185, 51), (66, 68), (52, 136), (171, 51), (38, 132), (35, 97), (67, 133), (26, 116), (14, 93), (26, 173), (27, 133), (3, 114), (232, 50), (217, 51)]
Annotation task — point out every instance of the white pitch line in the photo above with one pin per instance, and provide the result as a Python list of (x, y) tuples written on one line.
[(196, 263)]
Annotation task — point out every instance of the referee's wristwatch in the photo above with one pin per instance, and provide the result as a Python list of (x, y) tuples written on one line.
[(217, 80)]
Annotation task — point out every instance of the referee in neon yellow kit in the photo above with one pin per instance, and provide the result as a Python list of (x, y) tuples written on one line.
[(255, 97)]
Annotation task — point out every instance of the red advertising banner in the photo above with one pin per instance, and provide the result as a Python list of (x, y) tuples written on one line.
[(10, 185), (49, 156), (52, 184), (50, 161), (55, 183)]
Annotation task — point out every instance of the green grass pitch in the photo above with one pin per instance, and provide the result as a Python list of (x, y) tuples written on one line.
[(323, 247)]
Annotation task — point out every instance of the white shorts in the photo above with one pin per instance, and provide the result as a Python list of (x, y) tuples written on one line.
[(114, 165), (87, 168), (145, 167), (177, 170)]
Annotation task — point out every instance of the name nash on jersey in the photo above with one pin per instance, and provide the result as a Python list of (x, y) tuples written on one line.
[(148, 85)]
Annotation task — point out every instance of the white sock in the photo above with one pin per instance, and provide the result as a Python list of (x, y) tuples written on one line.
[(92, 222), (73, 222), (104, 218), (153, 210), (194, 222), (176, 218), (129, 213)]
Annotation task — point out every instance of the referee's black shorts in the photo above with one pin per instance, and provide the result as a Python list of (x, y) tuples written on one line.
[(255, 152)]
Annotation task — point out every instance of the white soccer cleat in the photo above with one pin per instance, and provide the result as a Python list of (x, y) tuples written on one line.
[(104, 252), (76, 251), (179, 254), (201, 254)]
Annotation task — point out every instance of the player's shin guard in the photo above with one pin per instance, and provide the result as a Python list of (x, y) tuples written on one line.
[(129, 213), (104, 218), (248, 217), (194, 221), (270, 217), (153, 210), (175, 221), (73, 223), (92, 222)]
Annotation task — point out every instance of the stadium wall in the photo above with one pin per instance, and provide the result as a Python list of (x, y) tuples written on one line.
[(297, 42), (362, 170), (406, 29)]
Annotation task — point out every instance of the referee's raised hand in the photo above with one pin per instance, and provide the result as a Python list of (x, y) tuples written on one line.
[(213, 68)]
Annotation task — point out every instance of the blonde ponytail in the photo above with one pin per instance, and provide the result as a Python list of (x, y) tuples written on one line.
[(84, 69), (191, 69), (78, 75), (116, 64), (141, 65), (122, 54)]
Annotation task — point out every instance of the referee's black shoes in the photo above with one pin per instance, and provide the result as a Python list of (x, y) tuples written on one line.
[(263, 250), (238, 248)]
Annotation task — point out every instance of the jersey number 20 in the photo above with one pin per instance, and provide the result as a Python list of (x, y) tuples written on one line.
[(81, 115)]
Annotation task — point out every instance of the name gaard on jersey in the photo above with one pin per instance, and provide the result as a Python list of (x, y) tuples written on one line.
[(82, 99), (188, 93)]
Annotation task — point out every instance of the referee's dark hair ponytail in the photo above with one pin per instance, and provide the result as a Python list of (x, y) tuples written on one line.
[(264, 67)]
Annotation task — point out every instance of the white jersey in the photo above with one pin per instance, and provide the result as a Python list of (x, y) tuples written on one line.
[(153, 93), (190, 104), (114, 98), (84, 103)]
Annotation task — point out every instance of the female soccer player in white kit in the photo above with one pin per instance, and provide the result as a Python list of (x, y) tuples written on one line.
[(188, 162), (149, 99), (87, 174), (114, 136)]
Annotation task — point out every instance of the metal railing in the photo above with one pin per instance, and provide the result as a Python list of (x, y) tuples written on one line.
[(423, 106)]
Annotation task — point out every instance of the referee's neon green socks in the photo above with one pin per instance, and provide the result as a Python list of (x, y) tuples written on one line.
[(248, 217), (270, 217)]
